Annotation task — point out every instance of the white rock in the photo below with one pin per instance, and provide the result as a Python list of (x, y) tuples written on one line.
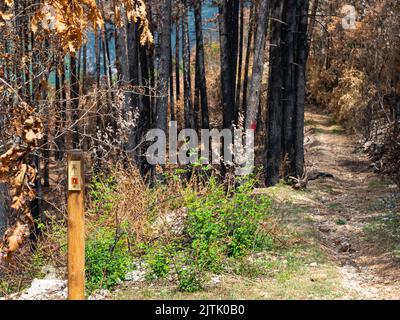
[(45, 289), (136, 276), (216, 279), (101, 294)]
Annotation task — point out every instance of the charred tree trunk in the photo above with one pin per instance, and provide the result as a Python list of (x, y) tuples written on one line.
[(187, 87), (200, 66), (253, 99), (177, 58), (302, 51), (74, 96), (247, 59), (133, 64), (228, 25), (240, 61), (274, 136), (289, 102), (61, 110), (165, 68)]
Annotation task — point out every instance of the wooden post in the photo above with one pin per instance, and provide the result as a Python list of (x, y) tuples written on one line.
[(76, 226)]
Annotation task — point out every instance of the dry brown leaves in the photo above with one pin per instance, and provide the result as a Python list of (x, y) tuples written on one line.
[(4, 15), (136, 12), (69, 19), (20, 176)]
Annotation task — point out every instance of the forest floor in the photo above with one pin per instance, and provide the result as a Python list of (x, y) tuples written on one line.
[(347, 229)]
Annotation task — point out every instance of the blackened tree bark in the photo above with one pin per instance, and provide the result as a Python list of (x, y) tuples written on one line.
[(303, 50), (74, 95), (145, 119), (289, 87), (171, 87), (84, 70), (196, 100), (164, 67), (313, 19), (121, 51), (234, 52), (253, 99), (177, 57), (247, 59), (133, 63), (274, 136), (228, 27), (4, 208), (61, 109), (289, 53), (187, 87), (200, 65), (240, 59)]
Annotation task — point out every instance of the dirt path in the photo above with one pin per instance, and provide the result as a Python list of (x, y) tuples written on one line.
[(343, 207)]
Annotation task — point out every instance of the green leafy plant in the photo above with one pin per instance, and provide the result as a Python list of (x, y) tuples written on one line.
[(158, 259), (107, 259), (220, 225), (189, 279)]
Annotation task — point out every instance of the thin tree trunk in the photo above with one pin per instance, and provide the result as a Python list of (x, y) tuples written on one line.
[(171, 87), (247, 59), (227, 76), (133, 63), (274, 136), (200, 64), (302, 49), (187, 87), (60, 108), (99, 125), (240, 63), (196, 100), (177, 59), (84, 70), (289, 100), (253, 99), (74, 96), (313, 19), (165, 68)]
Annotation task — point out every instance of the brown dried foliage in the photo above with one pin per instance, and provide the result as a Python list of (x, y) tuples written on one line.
[(20, 176), (69, 20)]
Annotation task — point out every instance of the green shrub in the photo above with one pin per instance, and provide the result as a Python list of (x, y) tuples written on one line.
[(220, 225), (158, 259), (103, 196), (189, 279), (107, 259)]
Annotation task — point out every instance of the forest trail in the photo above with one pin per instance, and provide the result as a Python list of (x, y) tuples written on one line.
[(344, 210)]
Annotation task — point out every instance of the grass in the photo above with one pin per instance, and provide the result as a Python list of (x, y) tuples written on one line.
[(384, 231), (383, 227), (288, 276), (340, 222), (378, 184), (334, 206), (338, 130), (310, 123)]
